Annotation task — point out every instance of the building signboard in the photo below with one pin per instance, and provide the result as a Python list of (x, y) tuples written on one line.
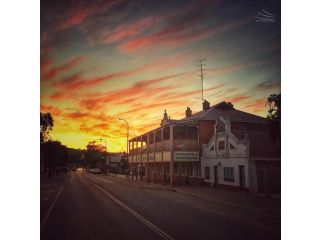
[(186, 156), (151, 157), (158, 157), (144, 157), (166, 156)]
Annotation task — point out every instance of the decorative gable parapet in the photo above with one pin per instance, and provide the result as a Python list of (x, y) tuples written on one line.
[(223, 143)]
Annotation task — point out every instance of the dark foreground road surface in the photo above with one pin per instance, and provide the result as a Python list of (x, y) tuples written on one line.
[(83, 206)]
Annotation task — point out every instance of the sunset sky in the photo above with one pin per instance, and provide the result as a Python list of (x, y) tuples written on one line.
[(104, 60)]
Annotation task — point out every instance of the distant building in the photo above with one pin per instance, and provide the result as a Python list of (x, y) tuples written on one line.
[(117, 162), (179, 151)]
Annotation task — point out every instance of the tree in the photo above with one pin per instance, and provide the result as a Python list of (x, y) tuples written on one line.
[(55, 154), (274, 102), (76, 157), (94, 146), (274, 114), (46, 125), (95, 155)]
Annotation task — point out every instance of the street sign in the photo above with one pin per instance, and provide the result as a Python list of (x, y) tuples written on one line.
[(186, 156)]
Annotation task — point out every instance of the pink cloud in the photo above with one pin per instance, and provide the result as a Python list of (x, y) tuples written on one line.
[(238, 98), (146, 87), (177, 35), (128, 30), (256, 105), (69, 64), (77, 81), (79, 12)]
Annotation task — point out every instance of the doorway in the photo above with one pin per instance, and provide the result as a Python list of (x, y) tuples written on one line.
[(216, 176)]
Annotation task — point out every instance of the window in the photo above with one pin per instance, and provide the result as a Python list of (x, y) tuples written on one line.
[(212, 148), (228, 174), (207, 173), (221, 145), (232, 147)]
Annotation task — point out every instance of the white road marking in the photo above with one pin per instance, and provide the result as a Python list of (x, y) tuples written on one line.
[(137, 215), (100, 178), (50, 209), (105, 180)]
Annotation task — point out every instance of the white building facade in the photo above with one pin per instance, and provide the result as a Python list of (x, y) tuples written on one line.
[(225, 158), (229, 161)]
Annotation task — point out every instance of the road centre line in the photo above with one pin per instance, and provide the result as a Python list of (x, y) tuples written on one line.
[(50, 209), (100, 178), (137, 215)]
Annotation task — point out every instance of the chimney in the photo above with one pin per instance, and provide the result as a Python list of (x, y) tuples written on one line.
[(205, 105), (188, 112)]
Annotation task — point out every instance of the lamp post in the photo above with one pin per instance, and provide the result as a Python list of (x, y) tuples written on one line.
[(121, 119)]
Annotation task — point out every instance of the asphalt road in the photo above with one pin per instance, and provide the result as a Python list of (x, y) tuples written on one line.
[(84, 206)]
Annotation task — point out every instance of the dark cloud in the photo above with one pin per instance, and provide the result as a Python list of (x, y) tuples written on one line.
[(267, 85)]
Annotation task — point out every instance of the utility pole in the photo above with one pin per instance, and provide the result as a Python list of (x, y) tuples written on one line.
[(121, 119), (202, 73), (105, 143)]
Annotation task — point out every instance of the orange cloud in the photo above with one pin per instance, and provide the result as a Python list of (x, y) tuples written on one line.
[(238, 98), (53, 110), (256, 105), (172, 95), (76, 82), (147, 87)]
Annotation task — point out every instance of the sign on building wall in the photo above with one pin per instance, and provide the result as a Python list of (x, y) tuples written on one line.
[(185, 156), (151, 157), (166, 156), (158, 157), (144, 157)]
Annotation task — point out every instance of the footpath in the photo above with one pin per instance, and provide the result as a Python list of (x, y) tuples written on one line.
[(269, 204)]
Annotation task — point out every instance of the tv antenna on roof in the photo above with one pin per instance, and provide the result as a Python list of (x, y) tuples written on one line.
[(202, 73)]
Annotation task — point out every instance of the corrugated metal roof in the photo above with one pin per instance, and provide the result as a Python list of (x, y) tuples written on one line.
[(222, 109), (217, 111)]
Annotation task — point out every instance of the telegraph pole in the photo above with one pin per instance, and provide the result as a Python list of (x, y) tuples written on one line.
[(202, 73)]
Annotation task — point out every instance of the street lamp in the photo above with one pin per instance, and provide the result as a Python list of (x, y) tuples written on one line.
[(121, 119)]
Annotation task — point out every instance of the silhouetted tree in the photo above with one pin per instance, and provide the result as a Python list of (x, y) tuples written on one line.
[(95, 155), (274, 114), (274, 103), (46, 125), (76, 157), (55, 154)]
